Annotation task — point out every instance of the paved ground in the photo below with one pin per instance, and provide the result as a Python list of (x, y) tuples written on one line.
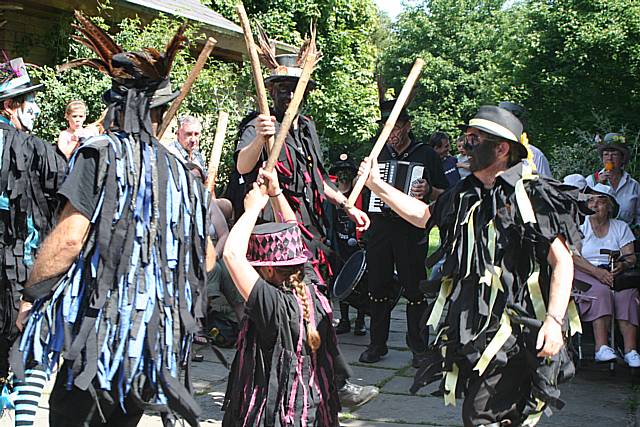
[(594, 397)]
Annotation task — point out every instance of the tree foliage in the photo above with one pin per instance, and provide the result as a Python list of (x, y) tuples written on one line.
[(345, 104), (568, 62)]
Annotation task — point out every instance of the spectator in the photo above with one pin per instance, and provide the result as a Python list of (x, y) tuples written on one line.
[(615, 155), (463, 158), (439, 141), (599, 303), (187, 145), (539, 159), (71, 138)]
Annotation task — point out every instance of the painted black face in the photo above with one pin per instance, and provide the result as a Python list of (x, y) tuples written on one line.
[(345, 175), (482, 152), (282, 94)]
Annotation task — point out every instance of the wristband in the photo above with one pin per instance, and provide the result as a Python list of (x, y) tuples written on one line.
[(343, 204), (559, 320), (277, 194)]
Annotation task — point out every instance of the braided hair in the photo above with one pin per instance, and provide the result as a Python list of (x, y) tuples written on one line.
[(295, 282)]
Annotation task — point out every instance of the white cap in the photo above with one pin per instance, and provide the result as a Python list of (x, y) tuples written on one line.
[(575, 180)]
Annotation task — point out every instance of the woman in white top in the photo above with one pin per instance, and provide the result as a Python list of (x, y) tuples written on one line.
[(599, 303)]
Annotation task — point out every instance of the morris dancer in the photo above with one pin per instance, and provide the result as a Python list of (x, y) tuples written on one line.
[(507, 277), (32, 171), (304, 181), (283, 372), (118, 282)]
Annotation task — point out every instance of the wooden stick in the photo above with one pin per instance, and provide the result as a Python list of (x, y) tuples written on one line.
[(186, 87), (256, 70), (292, 109), (216, 151), (388, 126)]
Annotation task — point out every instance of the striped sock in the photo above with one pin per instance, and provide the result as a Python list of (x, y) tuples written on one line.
[(29, 393)]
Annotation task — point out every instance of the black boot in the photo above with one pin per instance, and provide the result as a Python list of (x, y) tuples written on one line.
[(373, 354), (417, 332), (343, 327), (359, 329), (379, 332)]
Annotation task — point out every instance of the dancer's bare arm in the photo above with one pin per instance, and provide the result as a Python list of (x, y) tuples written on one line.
[(61, 248), (550, 339), (235, 252)]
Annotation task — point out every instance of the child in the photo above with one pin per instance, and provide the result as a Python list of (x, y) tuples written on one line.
[(71, 138), (283, 371)]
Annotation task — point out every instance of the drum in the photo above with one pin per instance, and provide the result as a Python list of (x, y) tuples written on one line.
[(351, 284)]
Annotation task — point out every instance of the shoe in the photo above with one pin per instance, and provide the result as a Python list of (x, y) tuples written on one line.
[(605, 354), (352, 395), (373, 354), (359, 329), (419, 359), (633, 359), (343, 327)]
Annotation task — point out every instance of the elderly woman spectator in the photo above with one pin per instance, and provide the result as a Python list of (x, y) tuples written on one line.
[(599, 303), (615, 155)]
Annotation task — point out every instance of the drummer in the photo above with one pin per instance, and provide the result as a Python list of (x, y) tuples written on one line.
[(397, 245), (343, 236)]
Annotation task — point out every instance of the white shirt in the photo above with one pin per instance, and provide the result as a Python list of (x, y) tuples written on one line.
[(628, 196), (541, 162), (463, 171), (619, 235)]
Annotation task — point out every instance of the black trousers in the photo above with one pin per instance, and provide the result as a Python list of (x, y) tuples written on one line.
[(396, 246), (75, 407), (499, 395)]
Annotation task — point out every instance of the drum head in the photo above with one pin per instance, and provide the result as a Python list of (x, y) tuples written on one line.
[(350, 275)]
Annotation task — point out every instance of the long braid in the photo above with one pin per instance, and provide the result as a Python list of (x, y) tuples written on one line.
[(297, 283)]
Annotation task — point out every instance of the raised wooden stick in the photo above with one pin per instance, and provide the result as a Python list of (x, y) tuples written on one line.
[(186, 87), (216, 151), (256, 70), (292, 109), (388, 126)]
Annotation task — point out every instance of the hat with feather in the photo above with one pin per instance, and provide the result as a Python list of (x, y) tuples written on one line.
[(286, 67), (140, 80), (14, 79)]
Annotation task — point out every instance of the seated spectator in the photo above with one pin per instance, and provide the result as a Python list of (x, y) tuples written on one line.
[(462, 158), (600, 303), (71, 138), (439, 141)]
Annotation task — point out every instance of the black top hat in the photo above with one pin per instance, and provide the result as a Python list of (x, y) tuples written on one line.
[(288, 69), (15, 80), (498, 122), (385, 111), (344, 162)]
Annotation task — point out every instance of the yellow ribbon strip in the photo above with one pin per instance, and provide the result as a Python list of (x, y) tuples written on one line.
[(496, 285), (524, 204), (450, 381), (470, 236), (536, 296), (495, 345), (533, 419), (574, 320), (445, 290)]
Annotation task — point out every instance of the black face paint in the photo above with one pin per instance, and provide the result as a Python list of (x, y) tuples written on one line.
[(482, 155), (282, 94)]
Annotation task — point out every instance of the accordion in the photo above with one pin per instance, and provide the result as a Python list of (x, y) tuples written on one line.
[(401, 175)]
